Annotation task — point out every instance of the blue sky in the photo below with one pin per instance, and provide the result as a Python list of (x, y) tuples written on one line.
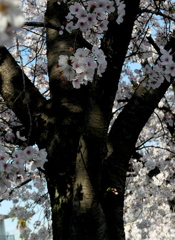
[(10, 225)]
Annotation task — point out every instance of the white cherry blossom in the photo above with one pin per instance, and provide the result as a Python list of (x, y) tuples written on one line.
[(11, 18)]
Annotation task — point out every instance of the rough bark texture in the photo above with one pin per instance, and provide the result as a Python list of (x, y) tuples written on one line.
[(83, 161)]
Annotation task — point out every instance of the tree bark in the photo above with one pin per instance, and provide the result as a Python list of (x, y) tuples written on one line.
[(83, 160)]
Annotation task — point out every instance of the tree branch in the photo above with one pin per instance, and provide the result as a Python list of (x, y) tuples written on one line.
[(79, 36), (18, 91), (20, 185), (42, 24), (115, 46), (151, 41), (158, 13)]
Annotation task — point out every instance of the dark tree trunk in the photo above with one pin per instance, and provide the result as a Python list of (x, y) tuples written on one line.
[(84, 161)]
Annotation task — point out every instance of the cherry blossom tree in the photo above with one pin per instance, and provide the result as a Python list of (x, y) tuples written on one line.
[(87, 117)]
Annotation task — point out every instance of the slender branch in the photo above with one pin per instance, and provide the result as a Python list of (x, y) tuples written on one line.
[(151, 41), (143, 143), (79, 36), (42, 24), (152, 146), (158, 13), (20, 185)]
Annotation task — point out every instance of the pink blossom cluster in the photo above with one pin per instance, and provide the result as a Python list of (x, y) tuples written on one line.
[(92, 15), (21, 213), (80, 68), (17, 166), (29, 199), (147, 210), (11, 19), (155, 74), (42, 234), (120, 11), (26, 213)]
